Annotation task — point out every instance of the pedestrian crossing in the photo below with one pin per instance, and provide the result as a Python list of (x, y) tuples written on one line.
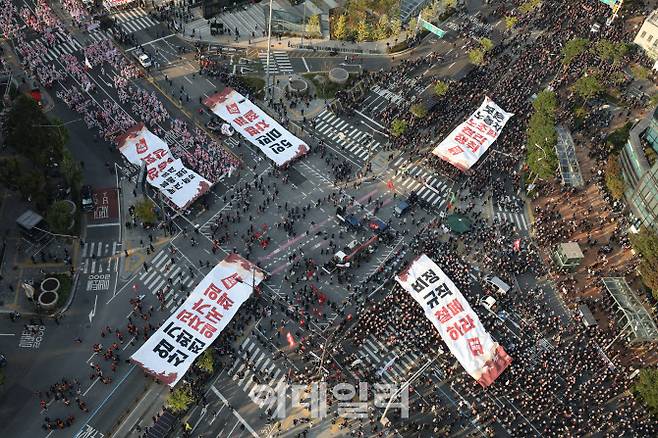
[(64, 44), (262, 363), (388, 95), (517, 219), (98, 35), (279, 62), (427, 186), (162, 272), (103, 266), (350, 138), (134, 20), (390, 364), (96, 250)]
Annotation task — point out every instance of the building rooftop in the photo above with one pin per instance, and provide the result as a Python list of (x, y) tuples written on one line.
[(653, 18), (638, 322), (571, 250)]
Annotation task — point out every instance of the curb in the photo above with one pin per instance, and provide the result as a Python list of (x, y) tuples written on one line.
[(69, 301)]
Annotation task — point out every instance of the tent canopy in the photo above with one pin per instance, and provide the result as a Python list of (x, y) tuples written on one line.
[(458, 223)]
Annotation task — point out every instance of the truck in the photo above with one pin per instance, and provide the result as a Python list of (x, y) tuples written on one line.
[(343, 258)]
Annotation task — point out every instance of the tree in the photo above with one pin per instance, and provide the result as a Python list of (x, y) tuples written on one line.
[(610, 51), (313, 24), (613, 179), (340, 29), (430, 11), (486, 44), (510, 22), (640, 72), (542, 137), (396, 26), (647, 388), (363, 31), (59, 217), (145, 211), (653, 100), (30, 133), (206, 362), (441, 88), (572, 49), (418, 110), (398, 127), (449, 4), (529, 6), (588, 87), (70, 169), (382, 30), (476, 56), (646, 244), (180, 398)]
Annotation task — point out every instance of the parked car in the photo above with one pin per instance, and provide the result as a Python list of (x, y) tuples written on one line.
[(144, 60), (86, 198)]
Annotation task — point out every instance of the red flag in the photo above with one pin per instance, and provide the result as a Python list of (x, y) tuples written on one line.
[(390, 185), (291, 340), (517, 245)]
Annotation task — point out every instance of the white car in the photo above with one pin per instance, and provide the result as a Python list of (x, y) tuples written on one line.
[(144, 60)]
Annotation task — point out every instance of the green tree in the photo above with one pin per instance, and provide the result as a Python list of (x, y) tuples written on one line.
[(573, 48), (363, 31), (430, 11), (609, 50), (486, 44), (449, 4), (441, 88), (413, 24), (206, 361), (180, 398), (71, 171), (476, 56), (588, 87), (653, 100), (510, 22), (145, 211), (542, 137), (382, 30), (59, 217), (340, 29), (419, 110), (646, 244), (613, 178), (30, 133), (398, 127), (528, 6), (647, 388)]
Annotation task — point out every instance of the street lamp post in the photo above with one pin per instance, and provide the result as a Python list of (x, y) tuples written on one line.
[(385, 421)]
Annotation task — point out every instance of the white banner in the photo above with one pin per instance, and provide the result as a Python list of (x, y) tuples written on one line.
[(453, 317), (177, 183), (470, 140), (255, 125), (171, 350)]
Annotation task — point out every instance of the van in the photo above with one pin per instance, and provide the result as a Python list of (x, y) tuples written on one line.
[(586, 315), (488, 303), (499, 284), (401, 208)]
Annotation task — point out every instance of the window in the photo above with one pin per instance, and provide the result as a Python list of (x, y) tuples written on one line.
[(644, 32), (650, 38)]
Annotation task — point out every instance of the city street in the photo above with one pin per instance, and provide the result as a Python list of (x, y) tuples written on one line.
[(352, 331)]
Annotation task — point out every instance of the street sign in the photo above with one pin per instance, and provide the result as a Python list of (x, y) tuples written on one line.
[(432, 28)]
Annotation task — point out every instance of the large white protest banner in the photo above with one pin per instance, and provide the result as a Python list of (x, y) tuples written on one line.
[(277, 143), (471, 139), (453, 317), (180, 185), (170, 351)]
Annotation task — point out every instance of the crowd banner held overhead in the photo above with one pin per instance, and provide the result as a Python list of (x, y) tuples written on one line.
[(453, 317), (471, 139), (180, 185), (279, 144), (194, 326)]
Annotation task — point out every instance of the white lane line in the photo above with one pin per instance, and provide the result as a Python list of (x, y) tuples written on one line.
[(305, 64), (236, 413)]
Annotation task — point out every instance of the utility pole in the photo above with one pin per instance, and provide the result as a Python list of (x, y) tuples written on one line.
[(268, 91), (303, 24)]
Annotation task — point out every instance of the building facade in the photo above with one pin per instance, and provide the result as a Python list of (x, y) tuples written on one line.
[(647, 37), (640, 171)]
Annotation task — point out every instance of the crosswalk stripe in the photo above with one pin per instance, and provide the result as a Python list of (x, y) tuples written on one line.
[(161, 261)]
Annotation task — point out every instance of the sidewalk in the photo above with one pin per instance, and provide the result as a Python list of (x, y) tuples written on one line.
[(198, 30)]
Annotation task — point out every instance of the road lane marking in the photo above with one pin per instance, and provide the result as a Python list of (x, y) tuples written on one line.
[(236, 413), (305, 64)]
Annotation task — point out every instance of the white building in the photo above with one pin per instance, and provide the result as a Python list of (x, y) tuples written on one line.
[(647, 37)]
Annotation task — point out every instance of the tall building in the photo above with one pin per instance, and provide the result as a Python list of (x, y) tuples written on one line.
[(647, 37), (640, 170)]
